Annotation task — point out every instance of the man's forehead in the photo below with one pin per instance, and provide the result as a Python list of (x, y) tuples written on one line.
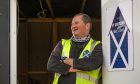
[(77, 18)]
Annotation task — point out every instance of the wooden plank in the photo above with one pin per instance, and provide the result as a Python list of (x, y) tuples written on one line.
[(54, 34), (56, 20), (20, 11), (49, 20), (83, 5), (34, 73), (50, 8), (37, 72)]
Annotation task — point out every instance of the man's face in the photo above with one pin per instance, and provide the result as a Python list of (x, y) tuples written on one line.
[(78, 27)]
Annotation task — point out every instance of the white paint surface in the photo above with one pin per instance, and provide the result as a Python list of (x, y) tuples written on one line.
[(123, 77), (13, 42)]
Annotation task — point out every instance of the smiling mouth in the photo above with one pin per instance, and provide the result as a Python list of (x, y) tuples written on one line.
[(74, 29)]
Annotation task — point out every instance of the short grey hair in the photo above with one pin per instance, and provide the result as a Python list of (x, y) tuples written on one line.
[(85, 18)]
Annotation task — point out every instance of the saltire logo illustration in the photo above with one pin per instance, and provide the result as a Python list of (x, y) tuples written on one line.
[(86, 54), (118, 35)]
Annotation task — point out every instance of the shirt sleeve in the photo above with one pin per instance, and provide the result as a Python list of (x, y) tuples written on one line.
[(54, 63), (94, 61)]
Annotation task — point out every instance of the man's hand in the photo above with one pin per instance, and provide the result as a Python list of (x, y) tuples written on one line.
[(68, 61), (73, 70)]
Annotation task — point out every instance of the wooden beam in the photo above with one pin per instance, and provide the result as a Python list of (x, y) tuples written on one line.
[(56, 20), (20, 11), (37, 72), (22, 19), (50, 8), (49, 20), (83, 6), (54, 34)]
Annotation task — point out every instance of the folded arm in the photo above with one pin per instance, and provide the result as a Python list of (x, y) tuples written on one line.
[(55, 64)]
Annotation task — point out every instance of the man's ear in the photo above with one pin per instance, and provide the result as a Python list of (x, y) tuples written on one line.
[(88, 26)]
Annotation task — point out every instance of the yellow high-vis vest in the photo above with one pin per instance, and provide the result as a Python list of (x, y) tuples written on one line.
[(82, 77)]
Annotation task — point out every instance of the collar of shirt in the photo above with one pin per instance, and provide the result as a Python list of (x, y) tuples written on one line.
[(80, 39)]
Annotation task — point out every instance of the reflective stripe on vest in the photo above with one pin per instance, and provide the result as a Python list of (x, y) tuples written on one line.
[(85, 76), (91, 76)]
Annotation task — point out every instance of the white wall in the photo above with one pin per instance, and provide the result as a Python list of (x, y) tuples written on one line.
[(123, 77), (13, 42)]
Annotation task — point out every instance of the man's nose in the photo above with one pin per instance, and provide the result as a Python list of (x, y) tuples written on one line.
[(73, 25)]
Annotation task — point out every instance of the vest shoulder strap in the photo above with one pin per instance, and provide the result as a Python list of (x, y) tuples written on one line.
[(94, 43)]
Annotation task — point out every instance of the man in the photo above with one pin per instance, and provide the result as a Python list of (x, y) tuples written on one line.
[(77, 60)]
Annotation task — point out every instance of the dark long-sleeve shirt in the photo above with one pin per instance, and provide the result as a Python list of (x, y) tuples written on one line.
[(85, 64)]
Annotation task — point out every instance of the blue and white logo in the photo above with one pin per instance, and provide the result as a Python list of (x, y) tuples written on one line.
[(86, 54), (119, 41)]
